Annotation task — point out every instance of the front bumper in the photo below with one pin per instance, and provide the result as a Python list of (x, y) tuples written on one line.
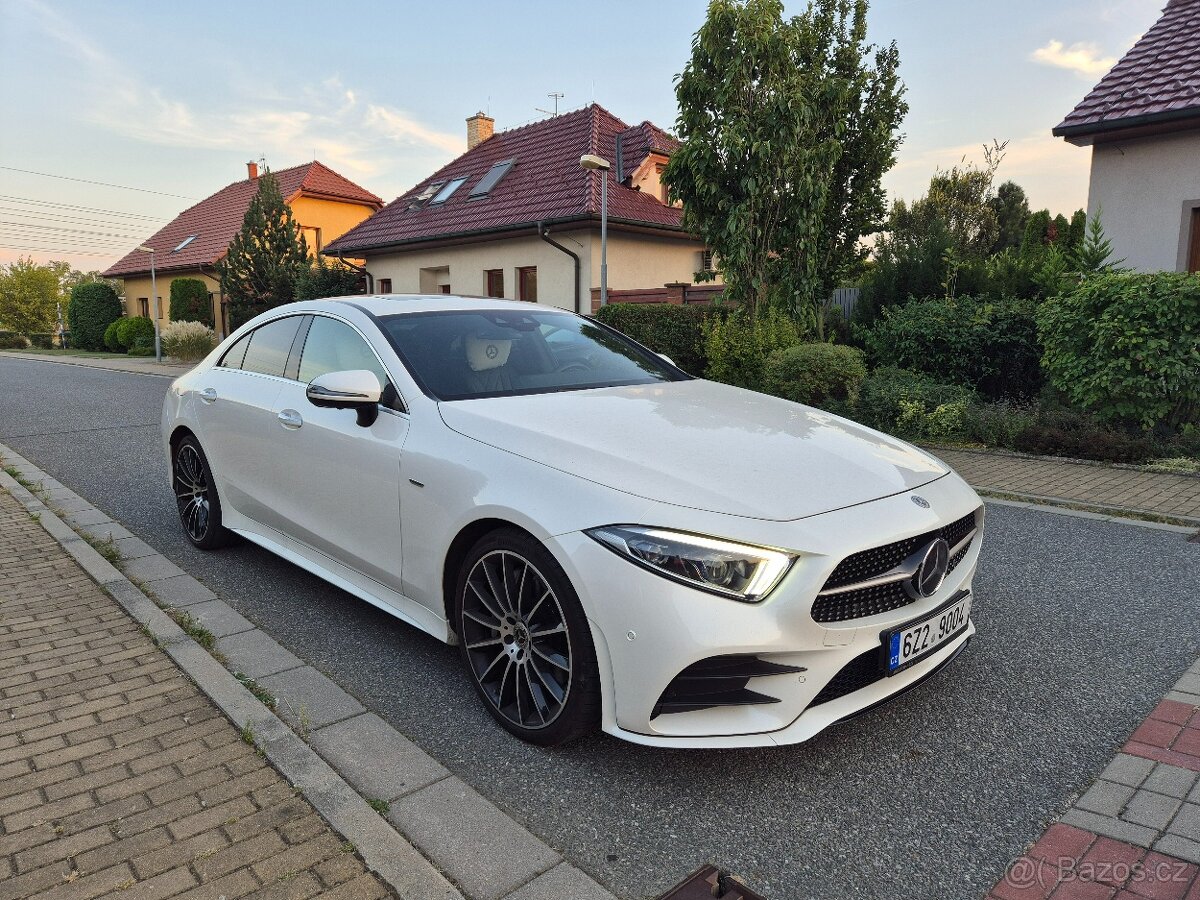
[(648, 629)]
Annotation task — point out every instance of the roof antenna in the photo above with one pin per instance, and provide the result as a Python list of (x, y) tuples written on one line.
[(555, 96)]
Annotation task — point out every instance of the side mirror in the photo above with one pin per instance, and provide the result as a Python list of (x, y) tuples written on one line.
[(356, 389), (667, 358)]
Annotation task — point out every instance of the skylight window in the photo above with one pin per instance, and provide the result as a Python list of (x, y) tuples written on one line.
[(444, 194), (492, 178), (187, 240), (429, 190)]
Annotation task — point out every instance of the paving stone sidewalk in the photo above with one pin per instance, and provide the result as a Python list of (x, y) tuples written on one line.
[(137, 364), (485, 853), (1135, 833), (1087, 484), (118, 777)]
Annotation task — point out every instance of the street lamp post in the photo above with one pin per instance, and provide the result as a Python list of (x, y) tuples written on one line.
[(590, 161), (157, 305)]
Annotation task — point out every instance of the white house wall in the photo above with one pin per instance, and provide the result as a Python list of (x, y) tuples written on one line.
[(634, 262), (1144, 191), (467, 264)]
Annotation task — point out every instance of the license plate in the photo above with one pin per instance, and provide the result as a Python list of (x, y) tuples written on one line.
[(907, 644)]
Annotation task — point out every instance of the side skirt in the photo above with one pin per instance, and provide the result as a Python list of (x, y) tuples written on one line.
[(335, 573)]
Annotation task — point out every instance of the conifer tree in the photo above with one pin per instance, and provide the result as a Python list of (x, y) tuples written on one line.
[(266, 258)]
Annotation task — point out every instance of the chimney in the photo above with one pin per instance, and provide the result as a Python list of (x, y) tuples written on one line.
[(252, 170), (479, 129)]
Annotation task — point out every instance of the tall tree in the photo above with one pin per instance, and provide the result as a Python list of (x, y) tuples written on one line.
[(1011, 206), (266, 258), (29, 297), (787, 128)]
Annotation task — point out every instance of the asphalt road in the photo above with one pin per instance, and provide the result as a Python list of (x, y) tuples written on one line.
[(1083, 625)]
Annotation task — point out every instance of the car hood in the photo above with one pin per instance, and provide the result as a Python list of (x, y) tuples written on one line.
[(702, 445)]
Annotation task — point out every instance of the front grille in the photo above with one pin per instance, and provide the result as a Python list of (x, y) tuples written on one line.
[(861, 671), (881, 598)]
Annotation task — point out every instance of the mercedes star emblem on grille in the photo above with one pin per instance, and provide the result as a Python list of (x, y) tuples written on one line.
[(930, 574)]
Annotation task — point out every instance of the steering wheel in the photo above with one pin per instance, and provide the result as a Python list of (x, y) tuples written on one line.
[(567, 368)]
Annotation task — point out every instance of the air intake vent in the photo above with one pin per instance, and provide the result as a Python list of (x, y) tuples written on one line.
[(719, 681)]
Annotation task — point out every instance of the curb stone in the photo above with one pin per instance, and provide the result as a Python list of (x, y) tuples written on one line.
[(333, 771)]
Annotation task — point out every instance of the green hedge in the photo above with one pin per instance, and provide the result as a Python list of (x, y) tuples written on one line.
[(1127, 346), (674, 330), (190, 301), (136, 333), (991, 347), (818, 374), (890, 400), (112, 340), (92, 308)]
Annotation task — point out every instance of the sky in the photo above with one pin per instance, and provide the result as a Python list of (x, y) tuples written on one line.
[(131, 111)]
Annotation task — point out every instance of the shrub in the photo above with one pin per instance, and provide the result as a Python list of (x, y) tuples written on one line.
[(1078, 435), (666, 328), (1127, 346), (816, 373), (10, 340), (737, 345), (92, 308), (188, 340), (111, 341), (888, 394), (190, 301), (41, 340), (990, 346), (135, 332), (997, 424)]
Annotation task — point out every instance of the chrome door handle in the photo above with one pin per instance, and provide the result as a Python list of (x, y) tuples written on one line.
[(208, 395), (289, 418)]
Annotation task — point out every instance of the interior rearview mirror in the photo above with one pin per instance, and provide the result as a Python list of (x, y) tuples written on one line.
[(356, 389)]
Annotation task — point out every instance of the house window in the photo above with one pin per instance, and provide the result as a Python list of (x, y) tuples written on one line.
[(494, 280), (444, 288), (527, 283), (143, 306), (1194, 248), (662, 185), (706, 260), (385, 285)]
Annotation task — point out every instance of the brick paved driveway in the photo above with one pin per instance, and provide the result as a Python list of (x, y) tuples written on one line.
[(117, 776)]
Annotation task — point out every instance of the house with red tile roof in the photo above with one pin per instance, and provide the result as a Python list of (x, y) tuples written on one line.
[(325, 205), (1142, 122), (516, 216)]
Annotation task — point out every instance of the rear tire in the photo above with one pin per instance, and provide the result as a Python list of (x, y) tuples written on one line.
[(196, 496), (525, 640)]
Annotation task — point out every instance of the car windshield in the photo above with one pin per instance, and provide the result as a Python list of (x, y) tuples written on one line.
[(499, 353)]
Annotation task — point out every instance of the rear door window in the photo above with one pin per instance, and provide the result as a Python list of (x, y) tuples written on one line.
[(270, 345)]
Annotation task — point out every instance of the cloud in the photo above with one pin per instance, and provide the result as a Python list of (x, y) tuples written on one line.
[(399, 127), (328, 119), (1082, 59)]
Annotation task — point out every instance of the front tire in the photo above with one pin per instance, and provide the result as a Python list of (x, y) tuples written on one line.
[(525, 640), (196, 496)]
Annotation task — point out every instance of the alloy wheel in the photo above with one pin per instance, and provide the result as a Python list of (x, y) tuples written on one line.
[(516, 638), (191, 492)]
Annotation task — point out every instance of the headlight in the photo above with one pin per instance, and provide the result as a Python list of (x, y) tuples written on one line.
[(720, 567)]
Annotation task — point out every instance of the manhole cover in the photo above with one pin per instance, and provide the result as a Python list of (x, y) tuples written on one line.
[(707, 883)]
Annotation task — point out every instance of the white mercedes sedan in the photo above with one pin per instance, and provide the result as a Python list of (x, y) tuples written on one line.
[(609, 541)]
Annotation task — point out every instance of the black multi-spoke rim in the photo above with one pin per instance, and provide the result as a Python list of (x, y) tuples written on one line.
[(191, 492), (516, 639)]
